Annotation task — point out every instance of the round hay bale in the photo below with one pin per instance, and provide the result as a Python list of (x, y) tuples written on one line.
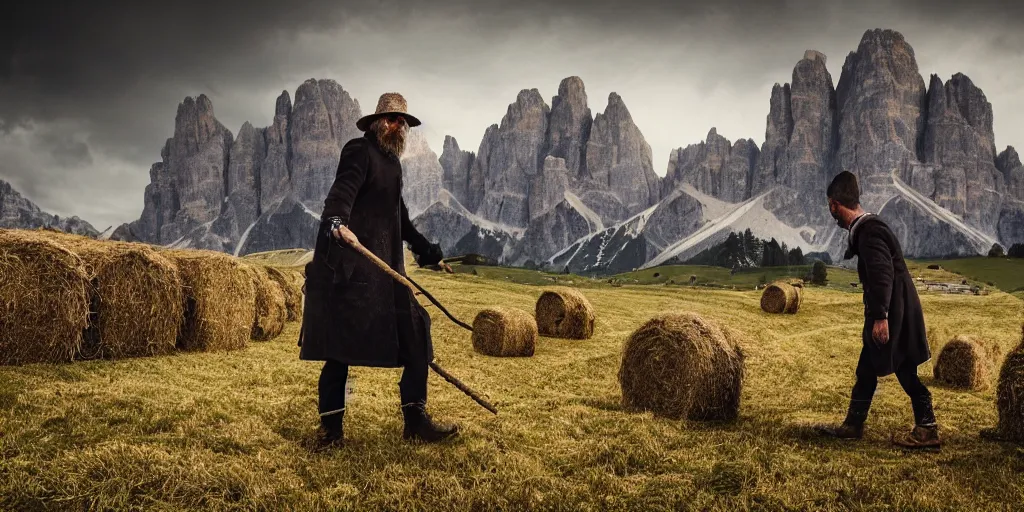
[(779, 298), (967, 362), (291, 284), (680, 365), (504, 332), (220, 301), (271, 309), (44, 300), (136, 295), (563, 312), (1010, 395)]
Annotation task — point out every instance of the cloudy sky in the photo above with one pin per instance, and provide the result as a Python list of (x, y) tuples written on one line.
[(88, 91)]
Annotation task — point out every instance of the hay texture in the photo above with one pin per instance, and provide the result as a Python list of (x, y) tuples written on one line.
[(136, 296), (220, 301), (680, 365), (44, 300), (291, 282), (779, 298), (271, 310), (504, 332), (1010, 395), (967, 362), (563, 312)]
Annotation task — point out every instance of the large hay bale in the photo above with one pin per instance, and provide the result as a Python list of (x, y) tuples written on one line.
[(271, 310), (136, 295), (44, 300), (1010, 395), (779, 298), (680, 365), (504, 332), (291, 284), (220, 301), (564, 312), (967, 362)]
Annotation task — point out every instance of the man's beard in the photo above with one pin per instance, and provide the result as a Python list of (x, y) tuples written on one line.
[(391, 141)]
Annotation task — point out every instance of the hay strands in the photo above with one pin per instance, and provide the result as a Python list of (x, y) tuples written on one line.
[(413, 287)]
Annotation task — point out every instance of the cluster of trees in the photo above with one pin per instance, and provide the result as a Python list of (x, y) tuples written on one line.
[(1016, 251), (744, 250)]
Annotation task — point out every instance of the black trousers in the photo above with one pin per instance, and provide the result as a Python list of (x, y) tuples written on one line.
[(867, 382), (412, 388)]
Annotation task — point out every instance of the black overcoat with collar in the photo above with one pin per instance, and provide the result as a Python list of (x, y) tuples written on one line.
[(889, 293), (354, 311)]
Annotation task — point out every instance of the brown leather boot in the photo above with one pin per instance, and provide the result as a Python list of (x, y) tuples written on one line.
[(331, 433), (419, 426), (844, 431), (918, 438)]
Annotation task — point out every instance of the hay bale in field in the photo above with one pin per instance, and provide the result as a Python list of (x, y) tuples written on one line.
[(680, 365), (504, 332), (563, 312), (136, 296), (934, 267), (967, 362), (220, 301), (291, 284), (271, 309), (44, 300), (1010, 397), (780, 297)]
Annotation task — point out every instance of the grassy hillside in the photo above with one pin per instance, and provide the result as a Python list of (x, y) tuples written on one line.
[(1005, 273), (233, 430)]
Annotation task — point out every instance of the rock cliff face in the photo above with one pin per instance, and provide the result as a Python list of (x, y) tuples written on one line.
[(881, 102), (262, 190), (510, 157), (17, 212), (925, 158), (558, 185), (422, 174), (619, 158)]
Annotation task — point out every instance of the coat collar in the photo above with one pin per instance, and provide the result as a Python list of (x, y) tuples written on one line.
[(851, 240)]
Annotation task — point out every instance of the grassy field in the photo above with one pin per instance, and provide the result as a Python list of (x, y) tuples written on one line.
[(1005, 273), (234, 430)]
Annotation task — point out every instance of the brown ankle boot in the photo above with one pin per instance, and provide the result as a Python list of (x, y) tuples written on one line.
[(844, 431), (918, 438)]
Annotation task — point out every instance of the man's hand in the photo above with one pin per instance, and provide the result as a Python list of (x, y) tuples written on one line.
[(447, 268), (880, 331), (345, 234)]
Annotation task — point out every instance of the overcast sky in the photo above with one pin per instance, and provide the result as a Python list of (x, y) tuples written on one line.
[(88, 91)]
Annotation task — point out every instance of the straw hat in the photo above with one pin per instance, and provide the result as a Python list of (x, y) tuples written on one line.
[(389, 103)]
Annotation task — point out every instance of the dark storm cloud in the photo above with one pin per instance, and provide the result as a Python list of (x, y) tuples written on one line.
[(95, 85)]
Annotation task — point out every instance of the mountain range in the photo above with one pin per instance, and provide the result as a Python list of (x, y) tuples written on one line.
[(17, 212), (560, 187)]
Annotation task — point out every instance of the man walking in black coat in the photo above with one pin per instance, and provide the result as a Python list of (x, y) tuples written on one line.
[(894, 332), (355, 313)]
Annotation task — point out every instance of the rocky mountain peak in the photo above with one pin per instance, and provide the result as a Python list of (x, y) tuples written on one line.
[(814, 55), (569, 125), (283, 107), (1008, 159), (17, 212)]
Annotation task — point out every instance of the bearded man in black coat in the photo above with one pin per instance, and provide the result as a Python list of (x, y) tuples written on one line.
[(355, 313), (894, 331)]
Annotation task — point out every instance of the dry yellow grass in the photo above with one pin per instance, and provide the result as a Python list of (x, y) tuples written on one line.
[(231, 431)]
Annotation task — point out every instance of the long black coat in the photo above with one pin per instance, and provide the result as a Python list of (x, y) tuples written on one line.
[(889, 293), (355, 311)]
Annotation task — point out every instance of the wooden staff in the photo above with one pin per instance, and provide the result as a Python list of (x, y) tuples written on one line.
[(402, 279)]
